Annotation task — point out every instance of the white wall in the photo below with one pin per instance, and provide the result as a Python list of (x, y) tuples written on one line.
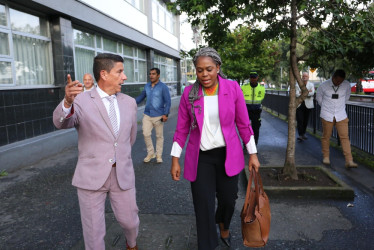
[(164, 36), (121, 11)]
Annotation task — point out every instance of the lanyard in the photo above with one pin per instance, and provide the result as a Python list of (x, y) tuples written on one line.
[(335, 90)]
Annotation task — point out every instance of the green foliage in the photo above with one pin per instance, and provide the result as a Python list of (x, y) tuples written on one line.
[(3, 173), (319, 33), (348, 42), (241, 53)]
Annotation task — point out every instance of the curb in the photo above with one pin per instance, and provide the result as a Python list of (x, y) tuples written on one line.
[(342, 191)]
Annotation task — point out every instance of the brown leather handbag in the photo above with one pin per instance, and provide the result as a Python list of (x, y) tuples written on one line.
[(255, 215)]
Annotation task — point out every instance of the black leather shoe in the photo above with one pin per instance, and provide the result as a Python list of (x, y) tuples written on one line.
[(227, 240)]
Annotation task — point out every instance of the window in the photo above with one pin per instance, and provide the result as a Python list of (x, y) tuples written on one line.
[(168, 68), (4, 41), (162, 16), (87, 45), (3, 20), (139, 4), (85, 52), (110, 45), (6, 73), (25, 49)]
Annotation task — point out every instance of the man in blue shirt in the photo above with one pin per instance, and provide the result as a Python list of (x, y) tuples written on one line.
[(156, 112)]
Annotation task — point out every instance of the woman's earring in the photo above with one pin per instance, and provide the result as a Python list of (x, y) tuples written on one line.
[(217, 71)]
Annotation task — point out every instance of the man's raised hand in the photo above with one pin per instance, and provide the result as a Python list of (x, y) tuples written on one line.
[(72, 89)]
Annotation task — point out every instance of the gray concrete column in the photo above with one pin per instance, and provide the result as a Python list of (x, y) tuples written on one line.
[(150, 61)]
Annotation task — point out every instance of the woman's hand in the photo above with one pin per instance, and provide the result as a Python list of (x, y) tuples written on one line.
[(253, 162), (175, 170)]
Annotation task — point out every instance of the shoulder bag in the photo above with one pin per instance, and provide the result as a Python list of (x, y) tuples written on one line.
[(255, 215)]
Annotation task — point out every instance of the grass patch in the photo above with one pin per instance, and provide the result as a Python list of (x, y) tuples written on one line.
[(3, 173)]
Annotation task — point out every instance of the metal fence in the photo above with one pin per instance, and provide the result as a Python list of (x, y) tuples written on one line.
[(361, 119)]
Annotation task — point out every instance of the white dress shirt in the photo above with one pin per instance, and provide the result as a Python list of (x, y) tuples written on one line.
[(212, 136), (106, 103), (309, 99), (330, 107)]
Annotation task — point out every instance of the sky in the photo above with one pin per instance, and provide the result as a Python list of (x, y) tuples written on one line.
[(186, 34)]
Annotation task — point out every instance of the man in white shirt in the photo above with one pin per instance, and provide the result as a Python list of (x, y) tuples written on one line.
[(332, 96), (303, 111), (88, 82)]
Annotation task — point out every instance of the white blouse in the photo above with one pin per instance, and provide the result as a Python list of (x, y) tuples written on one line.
[(212, 136)]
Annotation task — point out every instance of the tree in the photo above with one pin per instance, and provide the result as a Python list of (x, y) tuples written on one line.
[(241, 54), (283, 20), (350, 46)]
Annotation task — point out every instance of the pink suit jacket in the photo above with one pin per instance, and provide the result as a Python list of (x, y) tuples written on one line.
[(232, 114), (97, 144)]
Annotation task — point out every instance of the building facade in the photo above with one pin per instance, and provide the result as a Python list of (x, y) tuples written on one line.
[(42, 41)]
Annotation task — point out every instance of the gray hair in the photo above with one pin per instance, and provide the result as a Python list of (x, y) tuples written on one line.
[(193, 95)]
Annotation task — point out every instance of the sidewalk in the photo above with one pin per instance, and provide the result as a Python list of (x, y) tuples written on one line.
[(40, 209), (300, 224)]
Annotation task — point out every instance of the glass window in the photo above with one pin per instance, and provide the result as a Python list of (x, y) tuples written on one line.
[(29, 57), (127, 50), (163, 73), (128, 65), (154, 11), (98, 42), (27, 23), (168, 68), (32, 60), (139, 4), (84, 38), (119, 48), (110, 45), (141, 54), (4, 44), (142, 71), (161, 18), (83, 62), (168, 23), (6, 73), (3, 19), (135, 65)]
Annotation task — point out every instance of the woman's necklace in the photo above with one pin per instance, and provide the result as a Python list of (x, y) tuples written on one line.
[(212, 91)]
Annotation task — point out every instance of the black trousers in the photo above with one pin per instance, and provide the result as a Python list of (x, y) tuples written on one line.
[(302, 117), (255, 117), (212, 182)]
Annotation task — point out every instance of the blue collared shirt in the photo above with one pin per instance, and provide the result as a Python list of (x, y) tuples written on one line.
[(158, 99)]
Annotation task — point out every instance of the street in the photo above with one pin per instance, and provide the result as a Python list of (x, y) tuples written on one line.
[(39, 207)]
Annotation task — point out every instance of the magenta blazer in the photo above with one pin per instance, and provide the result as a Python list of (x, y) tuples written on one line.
[(232, 114)]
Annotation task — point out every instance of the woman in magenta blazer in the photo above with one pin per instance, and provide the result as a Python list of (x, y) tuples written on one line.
[(209, 113)]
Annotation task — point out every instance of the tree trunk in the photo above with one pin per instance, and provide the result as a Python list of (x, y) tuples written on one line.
[(289, 167)]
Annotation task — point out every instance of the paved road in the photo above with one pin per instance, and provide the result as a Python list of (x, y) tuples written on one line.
[(39, 207)]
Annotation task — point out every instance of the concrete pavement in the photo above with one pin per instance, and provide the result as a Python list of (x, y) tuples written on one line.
[(40, 210)]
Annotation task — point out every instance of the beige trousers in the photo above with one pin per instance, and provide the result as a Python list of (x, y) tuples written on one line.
[(342, 128), (148, 124), (92, 208)]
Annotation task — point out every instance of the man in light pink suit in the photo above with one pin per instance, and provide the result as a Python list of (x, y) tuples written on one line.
[(105, 120)]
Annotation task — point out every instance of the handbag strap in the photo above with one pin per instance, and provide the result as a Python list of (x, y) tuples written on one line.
[(259, 189), (249, 189)]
